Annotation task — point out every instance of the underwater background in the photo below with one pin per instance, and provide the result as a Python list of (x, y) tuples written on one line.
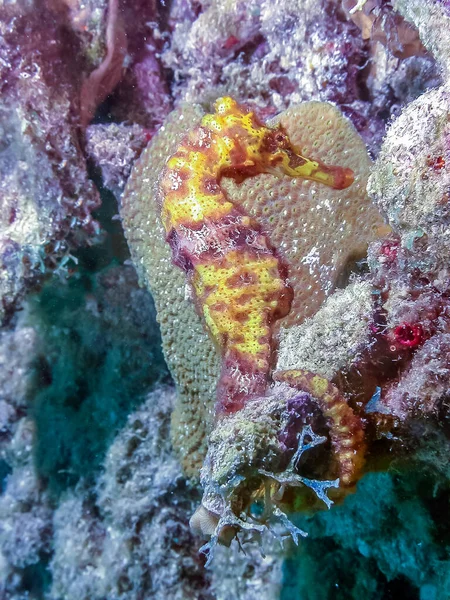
[(107, 374)]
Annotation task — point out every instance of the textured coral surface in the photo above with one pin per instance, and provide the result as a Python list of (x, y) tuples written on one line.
[(301, 219), (191, 355)]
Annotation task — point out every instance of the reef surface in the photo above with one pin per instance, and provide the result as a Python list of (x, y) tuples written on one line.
[(112, 435)]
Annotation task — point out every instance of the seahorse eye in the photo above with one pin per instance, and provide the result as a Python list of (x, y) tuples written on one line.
[(275, 159)]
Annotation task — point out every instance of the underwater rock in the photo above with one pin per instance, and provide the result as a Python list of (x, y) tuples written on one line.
[(241, 51), (47, 197), (424, 384), (25, 508), (100, 82), (249, 576), (432, 19), (410, 178), (394, 519), (380, 23), (411, 292), (135, 531), (122, 531), (25, 519), (113, 148)]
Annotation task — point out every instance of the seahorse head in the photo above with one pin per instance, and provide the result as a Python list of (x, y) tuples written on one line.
[(267, 150), (280, 157)]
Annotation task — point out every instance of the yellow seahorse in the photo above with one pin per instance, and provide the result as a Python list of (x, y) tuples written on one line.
[(239, 283)]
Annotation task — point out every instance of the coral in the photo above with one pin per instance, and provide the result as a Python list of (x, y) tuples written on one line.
[(256, 455), (135, 532), (190, 354), (114, 148), (335, 336), (410, 179), (83, 353), (424, 384), (238, 281), (255, 195), (47, 198)]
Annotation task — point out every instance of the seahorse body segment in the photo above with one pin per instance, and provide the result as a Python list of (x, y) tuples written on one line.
[(346, 430), (239, 283)]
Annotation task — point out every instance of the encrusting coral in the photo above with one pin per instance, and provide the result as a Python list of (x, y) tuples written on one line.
[(131, 525), (370, 360), (317, 230), (190, 354), (410, 180), (341, 328), (208, 231)]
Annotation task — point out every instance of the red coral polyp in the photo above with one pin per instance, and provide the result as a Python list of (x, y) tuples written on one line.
[(437, 163), (389, 250), (409, 335)]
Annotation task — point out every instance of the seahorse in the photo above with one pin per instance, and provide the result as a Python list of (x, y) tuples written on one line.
[(239, 283), (345, 427)]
